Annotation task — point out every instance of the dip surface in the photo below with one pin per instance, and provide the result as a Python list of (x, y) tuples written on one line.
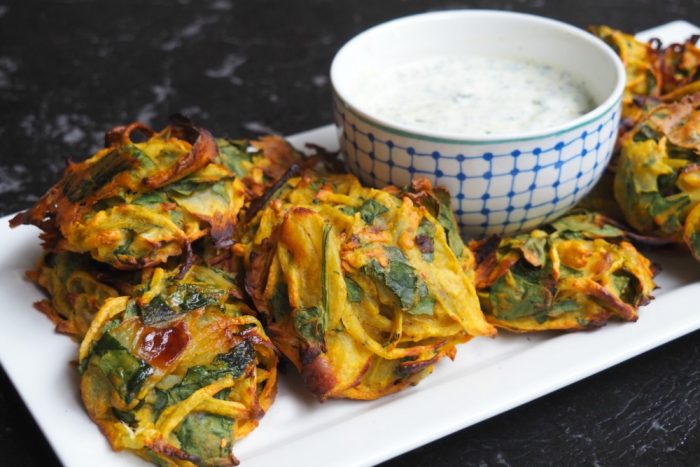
[(474, 95)]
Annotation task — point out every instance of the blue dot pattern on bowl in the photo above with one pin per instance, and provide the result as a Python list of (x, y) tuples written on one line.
[(491, 192)]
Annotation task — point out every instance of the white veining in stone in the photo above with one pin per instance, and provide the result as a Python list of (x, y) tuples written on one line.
[(319, 80), (189, 31), (8, 66), (227, 68), (221, 5), (74, 135), (259, 127), (11, 179), (161, 93), (193, 111)]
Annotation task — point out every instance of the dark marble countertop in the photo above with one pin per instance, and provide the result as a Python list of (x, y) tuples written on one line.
[(71, 69)]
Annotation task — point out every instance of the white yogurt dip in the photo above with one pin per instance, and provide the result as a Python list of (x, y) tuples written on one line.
[(473, 95)]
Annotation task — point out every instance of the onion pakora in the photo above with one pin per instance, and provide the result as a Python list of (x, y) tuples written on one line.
[(657, 182), (575, 273), (137, 204), (653, 72), (654, 75), (642, 66), (364, 290), (180, 372)]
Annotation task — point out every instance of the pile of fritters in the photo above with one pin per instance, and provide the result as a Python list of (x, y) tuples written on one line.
[(581, 270), (654, 73), (655, 179), (174, 364), (172, 256), (165, 252)]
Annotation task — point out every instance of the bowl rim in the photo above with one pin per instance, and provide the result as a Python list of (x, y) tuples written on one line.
[(387, 125)]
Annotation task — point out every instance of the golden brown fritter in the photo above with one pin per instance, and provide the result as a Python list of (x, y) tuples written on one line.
[(362, 289), (137, 204), (179, 373), (575, 273), (655, 75), (653, 72), (657, 182), (642, 65)]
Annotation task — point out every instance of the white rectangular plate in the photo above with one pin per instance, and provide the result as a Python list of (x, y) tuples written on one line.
[(488, 376)]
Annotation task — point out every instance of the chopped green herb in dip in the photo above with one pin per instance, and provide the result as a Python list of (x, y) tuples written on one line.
[(474, 95)]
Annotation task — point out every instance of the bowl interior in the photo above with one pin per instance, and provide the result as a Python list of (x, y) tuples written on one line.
[(486, 33)]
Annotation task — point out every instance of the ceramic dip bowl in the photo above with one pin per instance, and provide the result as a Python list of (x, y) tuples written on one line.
[(501, 183)]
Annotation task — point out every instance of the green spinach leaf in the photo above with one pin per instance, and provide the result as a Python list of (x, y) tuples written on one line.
[(126, 372), (447, 219), (153, 198), (354, 291), (425, 239), (179, 299), (370, 210), (207, 436), (234, 363), (279, 302), (234, 155), (309, 324), (524, 293), (399, 276)]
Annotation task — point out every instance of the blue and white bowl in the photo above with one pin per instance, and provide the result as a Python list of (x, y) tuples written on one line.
[(500, 184)]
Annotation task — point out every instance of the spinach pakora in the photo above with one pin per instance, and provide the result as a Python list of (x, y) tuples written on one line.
[(655, 75), (179, 372), (642, 66), (364, 290), (137, 204), (654, 72), (575, 273), (657, 182)]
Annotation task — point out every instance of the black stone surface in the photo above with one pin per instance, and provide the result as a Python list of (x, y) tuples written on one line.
[(71, 69)]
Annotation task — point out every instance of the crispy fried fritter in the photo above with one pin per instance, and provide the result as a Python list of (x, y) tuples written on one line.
[(657, 182), (137, 204), (179, 373), (653, 72), (654, 75), (642, 65), (680, 65), (575, 273), (362, 289), (258, 163)]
